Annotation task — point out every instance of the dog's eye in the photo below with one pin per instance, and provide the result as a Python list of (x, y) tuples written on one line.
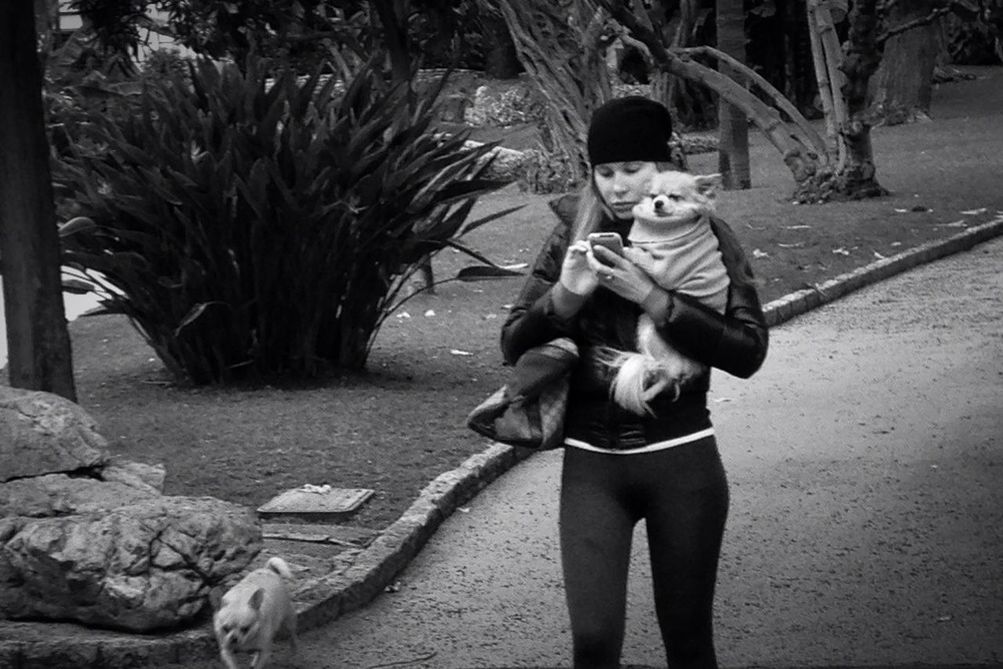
[(674, 197), (244, 629)]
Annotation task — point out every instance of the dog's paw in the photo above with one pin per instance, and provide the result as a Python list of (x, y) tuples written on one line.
[(639, 257)]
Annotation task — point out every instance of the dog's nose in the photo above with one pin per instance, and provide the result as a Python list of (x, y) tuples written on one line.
[(659, 204)]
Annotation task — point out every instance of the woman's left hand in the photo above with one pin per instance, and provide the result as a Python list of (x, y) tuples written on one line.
[(619, 274)]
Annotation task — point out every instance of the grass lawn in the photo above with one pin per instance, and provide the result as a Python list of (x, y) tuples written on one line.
[(400, 424)]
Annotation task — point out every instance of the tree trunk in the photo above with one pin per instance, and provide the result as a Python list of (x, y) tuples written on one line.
[(826, 54), (501, 60), (902, 87), (858, 178), (733, 127), (37, 337), (563, 58), (800, 85)]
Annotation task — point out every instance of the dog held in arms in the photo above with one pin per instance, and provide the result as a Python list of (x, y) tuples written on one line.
[(672, 241), (252, 612)]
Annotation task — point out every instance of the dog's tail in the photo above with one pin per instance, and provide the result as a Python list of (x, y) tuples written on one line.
[(629, 385), (279, 566)]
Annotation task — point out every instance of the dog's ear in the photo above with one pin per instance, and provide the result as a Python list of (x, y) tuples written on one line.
[(257, 598), (708, 184)]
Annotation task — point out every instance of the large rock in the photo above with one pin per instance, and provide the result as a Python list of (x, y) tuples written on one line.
[(135, 475), (62, 495), (43, 433), (89, 538), (506, 164), (139, 567)]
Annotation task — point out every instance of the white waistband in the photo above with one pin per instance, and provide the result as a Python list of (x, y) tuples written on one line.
[(657, 446)]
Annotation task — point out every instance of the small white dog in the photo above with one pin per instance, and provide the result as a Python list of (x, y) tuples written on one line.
[(672, 241), (252, 612)]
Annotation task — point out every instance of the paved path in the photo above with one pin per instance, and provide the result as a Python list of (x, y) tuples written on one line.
[(865, 460)]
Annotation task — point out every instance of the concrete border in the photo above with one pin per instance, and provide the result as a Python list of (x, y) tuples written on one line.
[(52, 646)]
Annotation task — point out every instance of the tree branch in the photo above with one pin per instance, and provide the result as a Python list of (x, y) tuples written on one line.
[(799, 153), (960, 6)]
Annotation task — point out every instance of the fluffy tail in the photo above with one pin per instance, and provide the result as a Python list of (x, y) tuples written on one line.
[(279, 566), (630, 388)]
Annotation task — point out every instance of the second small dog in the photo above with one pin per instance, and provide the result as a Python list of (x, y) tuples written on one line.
[(252, 612), (672, 241)]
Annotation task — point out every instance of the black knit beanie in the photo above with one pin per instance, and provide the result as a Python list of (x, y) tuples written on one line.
[(633, 128)]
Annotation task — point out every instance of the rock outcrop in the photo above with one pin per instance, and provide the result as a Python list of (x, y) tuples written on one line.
[(92, 539), (139, 567), (42, 433)]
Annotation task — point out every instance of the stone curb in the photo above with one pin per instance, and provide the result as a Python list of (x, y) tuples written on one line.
[(34, 646), (794, 304)]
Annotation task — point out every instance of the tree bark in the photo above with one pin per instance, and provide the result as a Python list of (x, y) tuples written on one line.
[(37, 337), (563, 59), (858, 178), (903, 85), (501, 60), (733, 126)]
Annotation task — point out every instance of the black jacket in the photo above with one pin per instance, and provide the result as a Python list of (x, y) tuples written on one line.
[(735, 341)]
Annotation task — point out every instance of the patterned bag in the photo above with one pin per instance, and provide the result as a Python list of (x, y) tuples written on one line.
[(529, 410)]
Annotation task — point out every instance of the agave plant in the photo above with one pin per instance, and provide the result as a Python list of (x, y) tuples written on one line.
[(250, 227)]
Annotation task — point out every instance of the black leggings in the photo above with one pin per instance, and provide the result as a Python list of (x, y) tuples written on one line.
[(682, 494)]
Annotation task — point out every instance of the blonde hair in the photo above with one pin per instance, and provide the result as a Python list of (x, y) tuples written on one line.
[(591, 208)]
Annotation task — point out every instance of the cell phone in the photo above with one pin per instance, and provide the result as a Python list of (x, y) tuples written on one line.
[(609, 240)]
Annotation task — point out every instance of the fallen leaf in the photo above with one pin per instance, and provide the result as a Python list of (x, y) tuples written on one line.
[(975, 212), (456, 351), (403, 314), (756, 253), (841, 251), (795, 245), (429, 313), (879, 256), (900, 211), (322, 489)]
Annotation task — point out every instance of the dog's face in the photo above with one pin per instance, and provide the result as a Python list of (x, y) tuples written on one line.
[(677, 197), (238, 622)]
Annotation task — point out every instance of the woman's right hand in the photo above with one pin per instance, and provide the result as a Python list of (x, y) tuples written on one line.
[(576, 274)]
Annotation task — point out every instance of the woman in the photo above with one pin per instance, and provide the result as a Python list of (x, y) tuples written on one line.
[(619, 467)]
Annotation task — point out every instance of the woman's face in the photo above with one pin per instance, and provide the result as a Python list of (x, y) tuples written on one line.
[(622, 185)]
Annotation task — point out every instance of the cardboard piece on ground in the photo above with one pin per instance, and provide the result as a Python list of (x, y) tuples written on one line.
[(315, 505)]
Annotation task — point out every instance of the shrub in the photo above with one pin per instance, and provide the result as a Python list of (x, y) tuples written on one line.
[(251, 228)]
